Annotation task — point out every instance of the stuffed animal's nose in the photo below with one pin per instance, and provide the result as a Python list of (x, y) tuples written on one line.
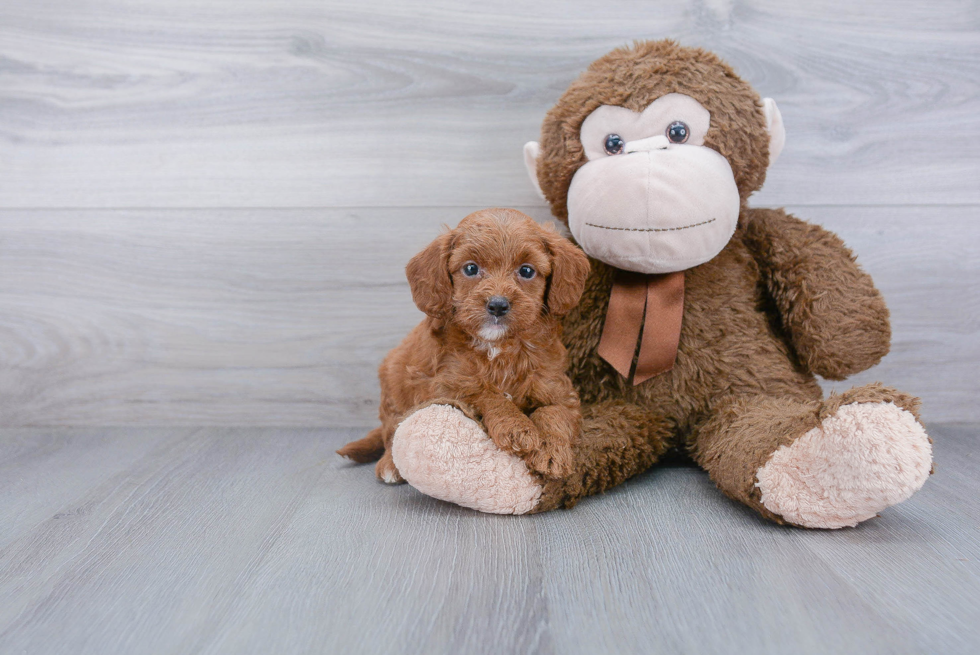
[(658, 142), (498, 306)]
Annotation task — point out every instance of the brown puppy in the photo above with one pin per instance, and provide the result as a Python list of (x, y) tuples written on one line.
[(494, 290)]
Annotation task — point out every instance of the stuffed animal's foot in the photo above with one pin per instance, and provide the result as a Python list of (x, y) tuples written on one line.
[(446, 455), (857, 462)]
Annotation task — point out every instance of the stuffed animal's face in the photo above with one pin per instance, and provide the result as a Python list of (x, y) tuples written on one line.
[(652, 198), (650, 154)]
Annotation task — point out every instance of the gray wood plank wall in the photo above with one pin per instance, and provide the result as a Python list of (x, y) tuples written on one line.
[(205, 208)]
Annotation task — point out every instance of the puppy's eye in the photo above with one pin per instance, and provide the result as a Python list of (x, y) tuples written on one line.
[(470, 269), (526, 272), (678, 132), (614, 144)]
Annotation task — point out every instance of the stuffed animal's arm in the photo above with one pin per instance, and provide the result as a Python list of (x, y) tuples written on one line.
[(834, 317)]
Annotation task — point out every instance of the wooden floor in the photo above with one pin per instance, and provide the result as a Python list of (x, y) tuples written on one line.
[(229, 540)]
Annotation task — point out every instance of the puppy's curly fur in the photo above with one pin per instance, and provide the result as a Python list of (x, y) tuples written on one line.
[(509, 370)]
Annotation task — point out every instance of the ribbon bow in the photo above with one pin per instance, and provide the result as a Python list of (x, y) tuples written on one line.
[(648, 309)]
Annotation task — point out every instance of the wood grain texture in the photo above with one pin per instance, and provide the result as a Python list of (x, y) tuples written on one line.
[(282, 160), (280, 317), (262, 541), (310, 103)]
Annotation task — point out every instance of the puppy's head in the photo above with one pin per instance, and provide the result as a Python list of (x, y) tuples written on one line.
[(497, 273)]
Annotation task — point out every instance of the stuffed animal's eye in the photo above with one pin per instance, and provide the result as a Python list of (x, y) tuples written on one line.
[(470, 269), (614, 144), (526, 272), (678, 132)]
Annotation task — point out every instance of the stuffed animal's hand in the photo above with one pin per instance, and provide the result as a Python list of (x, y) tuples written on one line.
[(835, 318)]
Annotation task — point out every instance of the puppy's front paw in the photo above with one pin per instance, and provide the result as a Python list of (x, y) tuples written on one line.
[(516, 434), (552, 460), (386, 470)]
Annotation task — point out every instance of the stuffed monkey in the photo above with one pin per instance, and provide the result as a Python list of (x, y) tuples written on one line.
[(704, 321)]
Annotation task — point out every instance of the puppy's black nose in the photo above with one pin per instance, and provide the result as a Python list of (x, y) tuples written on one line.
[(498, 306)]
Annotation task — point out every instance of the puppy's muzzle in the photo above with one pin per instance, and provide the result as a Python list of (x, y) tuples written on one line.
[(498, 306)]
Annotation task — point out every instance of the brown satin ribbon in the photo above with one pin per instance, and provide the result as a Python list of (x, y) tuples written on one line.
[(653, 304)]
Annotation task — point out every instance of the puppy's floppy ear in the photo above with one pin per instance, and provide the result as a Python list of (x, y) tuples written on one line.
[(569, 270), (428, 275)]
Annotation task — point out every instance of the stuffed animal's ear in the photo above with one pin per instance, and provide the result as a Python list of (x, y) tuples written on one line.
[(777, 132), (569, 270), (428, 276), (531, 152)]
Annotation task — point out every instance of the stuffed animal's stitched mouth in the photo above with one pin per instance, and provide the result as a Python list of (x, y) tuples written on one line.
[(651, 229)]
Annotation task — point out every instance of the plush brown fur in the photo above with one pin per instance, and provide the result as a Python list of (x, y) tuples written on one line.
[(784, 300), (515, 383)]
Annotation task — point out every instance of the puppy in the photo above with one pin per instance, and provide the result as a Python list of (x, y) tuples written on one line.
[(494, 290)]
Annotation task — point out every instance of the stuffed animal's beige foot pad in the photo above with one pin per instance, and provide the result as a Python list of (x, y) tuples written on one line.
[(864, 458), (446, 455)]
